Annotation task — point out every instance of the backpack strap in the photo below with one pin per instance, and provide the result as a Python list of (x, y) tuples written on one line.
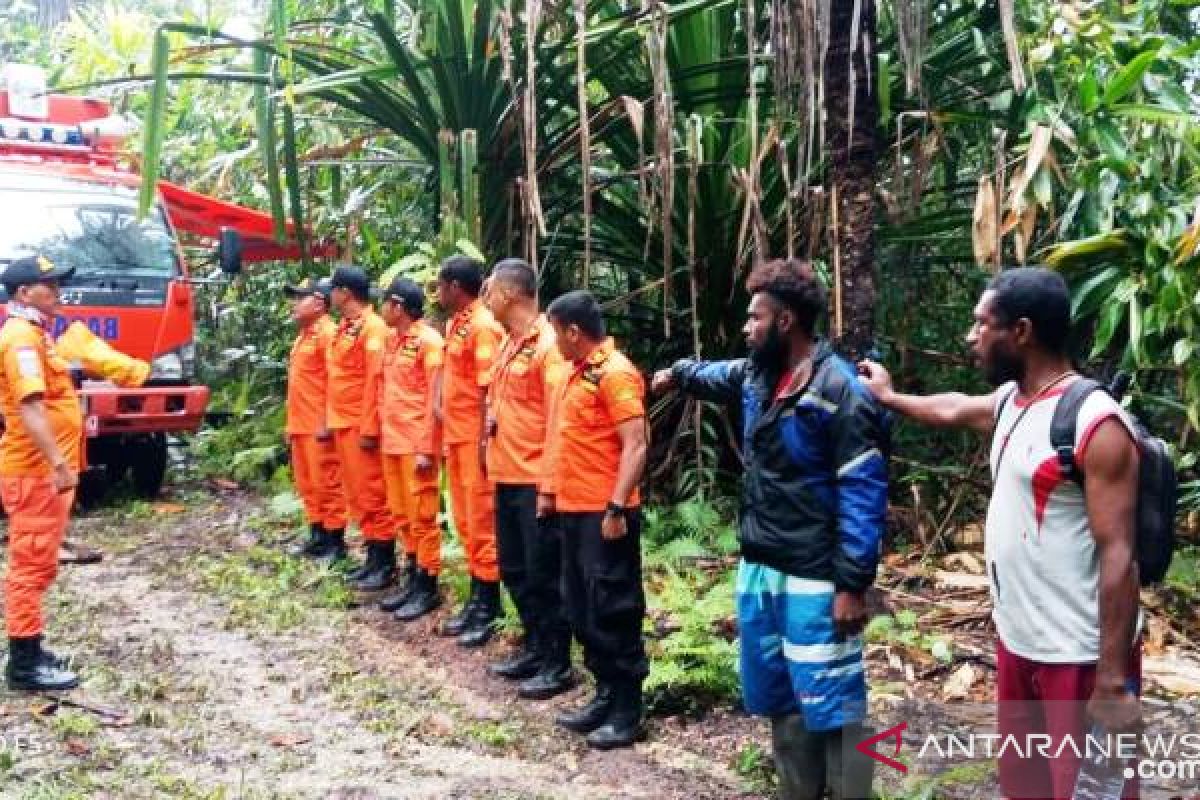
[(1064, 422)]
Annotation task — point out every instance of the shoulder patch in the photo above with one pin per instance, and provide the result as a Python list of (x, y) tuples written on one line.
[(28, 362)]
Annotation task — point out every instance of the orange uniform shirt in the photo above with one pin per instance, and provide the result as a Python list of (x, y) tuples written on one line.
[(519, 398), (29, 366), (307, 377), (596, 397), (400, 404), (472, 344), (354, 355)]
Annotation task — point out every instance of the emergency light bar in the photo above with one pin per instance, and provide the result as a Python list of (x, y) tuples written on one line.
[(41, 133)]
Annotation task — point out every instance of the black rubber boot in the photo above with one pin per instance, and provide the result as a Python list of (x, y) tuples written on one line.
[(333, 546), (555, 675), (522, 664), (407, 586), (52, 659), (425, 598), (591, 716), (30, 670), (383, 574), (624, 724), (458, 622), (311, 546), (482, 625), (367, 566)]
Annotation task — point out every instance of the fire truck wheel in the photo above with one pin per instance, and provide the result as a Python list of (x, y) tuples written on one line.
[(149, 465)]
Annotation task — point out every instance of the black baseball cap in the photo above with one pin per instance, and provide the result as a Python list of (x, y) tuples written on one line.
[(352, 278), (318, 288), (34, 269), (409, 294)]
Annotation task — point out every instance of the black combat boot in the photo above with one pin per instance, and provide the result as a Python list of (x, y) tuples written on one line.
[(383, 574), (555, 675), (481, 626), (623, 726), (311, 546), (333, 546), (424, 598), (408, 584), (29, 669), (591, 716), (457, 623), (522, 664)]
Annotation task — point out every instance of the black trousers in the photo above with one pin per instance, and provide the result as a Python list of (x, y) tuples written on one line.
[(529, 551), (602, 586)]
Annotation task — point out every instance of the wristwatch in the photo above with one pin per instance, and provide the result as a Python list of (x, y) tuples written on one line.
[(613, 510)]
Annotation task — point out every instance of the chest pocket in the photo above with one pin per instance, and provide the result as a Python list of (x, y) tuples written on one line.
[(518, 379), (349, 353)]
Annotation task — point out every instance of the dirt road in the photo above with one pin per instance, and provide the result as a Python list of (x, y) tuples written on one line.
[(215, 668)]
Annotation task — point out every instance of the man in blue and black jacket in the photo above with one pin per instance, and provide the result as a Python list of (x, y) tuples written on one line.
[(813, 506)]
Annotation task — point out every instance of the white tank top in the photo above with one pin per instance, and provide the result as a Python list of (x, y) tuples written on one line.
[(1041, 556)]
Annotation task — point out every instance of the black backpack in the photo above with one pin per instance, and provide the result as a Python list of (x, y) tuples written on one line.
[(1157, 481)]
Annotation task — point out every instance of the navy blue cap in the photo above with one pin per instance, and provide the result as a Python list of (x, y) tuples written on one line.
[(34, 269)]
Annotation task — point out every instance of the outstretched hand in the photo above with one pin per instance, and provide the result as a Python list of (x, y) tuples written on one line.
[(876, 377)]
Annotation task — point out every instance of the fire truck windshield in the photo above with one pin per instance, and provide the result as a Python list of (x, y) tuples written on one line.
[(91, 227)]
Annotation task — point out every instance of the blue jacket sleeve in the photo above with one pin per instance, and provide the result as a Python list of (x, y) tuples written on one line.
[(715, 381), (859, 433)]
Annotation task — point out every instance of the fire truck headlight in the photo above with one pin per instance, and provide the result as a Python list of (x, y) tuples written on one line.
[(167, 367)]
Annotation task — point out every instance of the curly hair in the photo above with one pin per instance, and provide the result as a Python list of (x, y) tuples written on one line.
[(793, 283)]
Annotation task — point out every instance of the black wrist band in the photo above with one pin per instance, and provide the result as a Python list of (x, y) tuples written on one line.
[(614, 510)]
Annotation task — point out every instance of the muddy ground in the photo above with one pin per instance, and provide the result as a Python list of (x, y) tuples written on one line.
[(214, 668)]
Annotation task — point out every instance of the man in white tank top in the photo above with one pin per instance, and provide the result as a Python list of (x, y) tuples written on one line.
[(1060, 557)]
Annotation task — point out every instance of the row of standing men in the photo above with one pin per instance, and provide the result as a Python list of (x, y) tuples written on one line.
[(539, 423)]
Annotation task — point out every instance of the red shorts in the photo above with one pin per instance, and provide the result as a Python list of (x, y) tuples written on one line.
[(1035, 698)]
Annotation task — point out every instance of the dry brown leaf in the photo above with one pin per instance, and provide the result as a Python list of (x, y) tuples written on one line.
[(1172, 674), (168, 508), (1155, 636), (966, 562), (959, 684), (983, 225), (78, 747), (224, 483), (960, 580), (1039, 145), (1023, 236), (290, 739)]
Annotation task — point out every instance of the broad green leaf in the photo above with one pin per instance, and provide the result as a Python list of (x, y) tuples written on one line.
[(155, 122), (1127, 77), (1135, 330), (1182, 351), (1149, 113), (1110, 319), (1089, 90)]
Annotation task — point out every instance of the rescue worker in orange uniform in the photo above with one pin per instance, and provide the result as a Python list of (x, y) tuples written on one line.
[(40, 459), (404, 398), (354, 355), (472, 344), (315, 467), (598, 453), (529, 547)]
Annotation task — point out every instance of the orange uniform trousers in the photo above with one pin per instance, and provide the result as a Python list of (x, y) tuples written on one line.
[(37, 520), (413, 501), (473, 503), (317, 473), (366, 496)]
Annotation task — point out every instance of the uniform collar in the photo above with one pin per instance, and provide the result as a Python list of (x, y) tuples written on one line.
[(362, 316), (598, 356), (535, 329), (28, 313), (466, 311)]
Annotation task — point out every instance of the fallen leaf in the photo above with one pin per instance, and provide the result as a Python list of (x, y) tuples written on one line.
[(1172, 674), (1155, 636), (168, 508), (78, 747), (965, 562), (959, 683), (983, 225), (289, 739), (44, 709), (224, 483), (960, 580), (895, 559), (439, 724)]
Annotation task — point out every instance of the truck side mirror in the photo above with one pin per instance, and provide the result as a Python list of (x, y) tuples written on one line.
[(229, 251)]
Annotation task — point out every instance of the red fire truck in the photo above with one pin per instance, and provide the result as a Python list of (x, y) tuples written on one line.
[(65, 194)]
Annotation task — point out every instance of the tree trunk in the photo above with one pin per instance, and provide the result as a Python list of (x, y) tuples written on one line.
[(852, 117)]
